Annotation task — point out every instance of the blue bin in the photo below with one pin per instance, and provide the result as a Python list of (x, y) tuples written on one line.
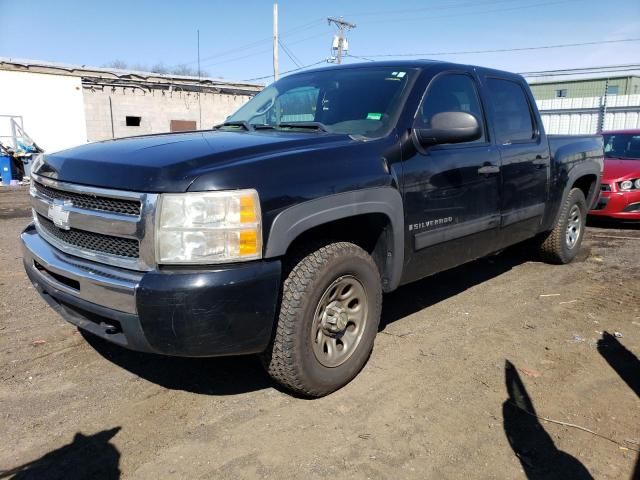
[(5, 170)]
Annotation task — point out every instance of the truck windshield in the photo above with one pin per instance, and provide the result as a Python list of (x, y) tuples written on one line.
[(356, 101), (622, 145)]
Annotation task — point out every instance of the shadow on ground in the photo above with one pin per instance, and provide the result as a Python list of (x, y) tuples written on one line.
[(534, 447), (234, 375), (206, 376), (424, 293), (87, 456), (625, 364)]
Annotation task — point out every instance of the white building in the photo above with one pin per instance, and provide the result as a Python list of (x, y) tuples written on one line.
[(60, 106)]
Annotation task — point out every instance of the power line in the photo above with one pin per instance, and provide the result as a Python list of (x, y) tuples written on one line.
[(569, 71), (578, 70), (602, 73), (583, 73), (431, 7), (504, 9), (259, 52), (288, 33), (501, 50), (290, 54), (324, 60), (361, 58)]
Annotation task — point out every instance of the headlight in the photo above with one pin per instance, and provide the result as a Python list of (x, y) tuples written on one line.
[(626, 185), (637, 183), (208, 227)]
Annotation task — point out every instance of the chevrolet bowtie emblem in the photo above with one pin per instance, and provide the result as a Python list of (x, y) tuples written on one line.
[(59, 213)]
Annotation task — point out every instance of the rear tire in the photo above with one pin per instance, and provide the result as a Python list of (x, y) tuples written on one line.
[(562, 244), (328, 320)]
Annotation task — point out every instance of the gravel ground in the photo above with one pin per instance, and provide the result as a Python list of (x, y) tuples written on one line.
[(457, 352)]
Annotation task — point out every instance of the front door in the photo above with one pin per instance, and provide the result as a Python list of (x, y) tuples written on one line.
[(451, 191)]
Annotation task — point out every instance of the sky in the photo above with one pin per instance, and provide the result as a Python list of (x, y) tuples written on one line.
[(235, 36)]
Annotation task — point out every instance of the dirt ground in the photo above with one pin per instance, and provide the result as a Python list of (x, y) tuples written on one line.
[(438, 398)]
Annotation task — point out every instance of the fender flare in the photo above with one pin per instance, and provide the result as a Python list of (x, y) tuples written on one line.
[(295, 220), (581, 170)]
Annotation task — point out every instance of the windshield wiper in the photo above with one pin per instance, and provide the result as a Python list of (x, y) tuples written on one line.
[(309, 125), (236, 123)]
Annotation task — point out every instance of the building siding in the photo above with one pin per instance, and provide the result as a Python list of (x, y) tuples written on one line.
[(155, 107), (62, 106), (585, 88), (51, 108)]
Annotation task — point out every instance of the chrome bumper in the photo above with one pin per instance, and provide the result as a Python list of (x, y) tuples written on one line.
[(113, 288)]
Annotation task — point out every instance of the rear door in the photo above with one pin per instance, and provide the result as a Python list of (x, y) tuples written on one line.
[(451, 191), (524, 157)]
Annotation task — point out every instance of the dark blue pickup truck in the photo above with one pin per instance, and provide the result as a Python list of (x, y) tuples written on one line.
[(277, 232)]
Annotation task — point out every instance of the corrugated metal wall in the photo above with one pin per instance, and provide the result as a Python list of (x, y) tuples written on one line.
[(574, 116), (625, 85)]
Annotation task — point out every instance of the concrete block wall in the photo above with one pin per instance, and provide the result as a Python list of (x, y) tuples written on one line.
[(155, 107)]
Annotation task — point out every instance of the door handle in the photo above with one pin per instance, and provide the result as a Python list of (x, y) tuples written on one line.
[(540, 161), (488, 169)]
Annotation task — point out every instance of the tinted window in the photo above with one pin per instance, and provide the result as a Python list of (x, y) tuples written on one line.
[(623, 145), (511, 113), (358, 101), (450, 93)]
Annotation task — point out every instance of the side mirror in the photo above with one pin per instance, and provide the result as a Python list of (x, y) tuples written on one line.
[(449, 127)]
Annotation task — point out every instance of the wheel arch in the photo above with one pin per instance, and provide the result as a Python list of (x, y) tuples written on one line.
[(355, 207), (585, 176)]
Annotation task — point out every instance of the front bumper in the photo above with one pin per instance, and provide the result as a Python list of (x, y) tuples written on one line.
[(185, 312), (621, 205)]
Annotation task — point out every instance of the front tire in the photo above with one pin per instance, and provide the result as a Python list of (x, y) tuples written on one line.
[(562, 244), (328, 320)]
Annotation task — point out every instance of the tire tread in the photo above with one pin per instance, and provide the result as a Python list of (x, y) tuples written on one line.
[(552, 248), (280, 360)]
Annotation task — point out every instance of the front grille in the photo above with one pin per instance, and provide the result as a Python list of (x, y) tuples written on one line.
[(632, 207), (605, 187), (95, 242), (92, 202)]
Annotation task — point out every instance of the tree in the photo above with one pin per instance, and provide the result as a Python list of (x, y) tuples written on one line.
[(159, 67)]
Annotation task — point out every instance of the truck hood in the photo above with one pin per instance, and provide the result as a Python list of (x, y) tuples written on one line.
[(620, 169), (171, 162)]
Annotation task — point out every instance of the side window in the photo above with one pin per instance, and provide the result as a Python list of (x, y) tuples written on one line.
[(454, 92), (511, 113)]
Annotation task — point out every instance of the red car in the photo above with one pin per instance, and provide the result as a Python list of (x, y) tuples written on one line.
[(620, 187)]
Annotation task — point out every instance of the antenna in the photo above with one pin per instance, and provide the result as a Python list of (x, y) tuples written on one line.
[(275, 41), (199, 83), (340, 44)]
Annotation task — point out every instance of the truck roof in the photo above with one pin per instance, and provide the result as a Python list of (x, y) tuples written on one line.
[(422, 64)]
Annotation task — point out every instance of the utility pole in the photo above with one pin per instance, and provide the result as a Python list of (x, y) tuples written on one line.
[(275, 41), (343, 26)]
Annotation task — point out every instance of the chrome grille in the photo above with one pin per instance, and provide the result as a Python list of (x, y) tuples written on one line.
[(96, 242), (91, 202), (112, 227)]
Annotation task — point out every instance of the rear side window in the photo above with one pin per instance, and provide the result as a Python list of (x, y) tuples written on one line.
[(454, 92), (511, 113)]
